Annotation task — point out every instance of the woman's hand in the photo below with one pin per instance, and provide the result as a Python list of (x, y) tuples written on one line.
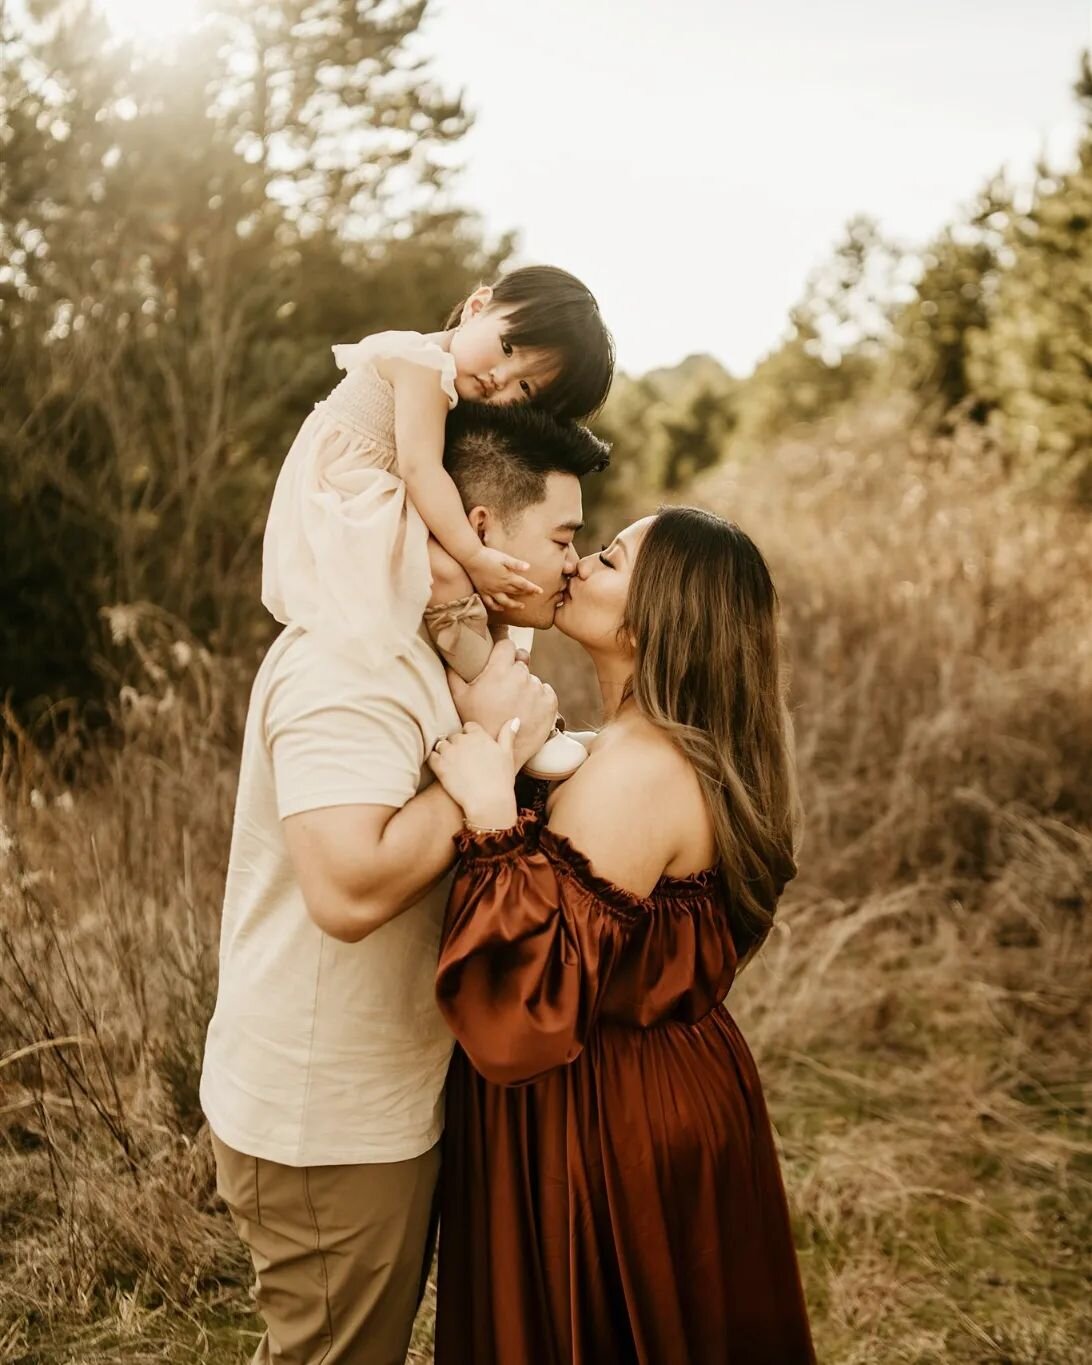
[(499, 579), (479, 772)]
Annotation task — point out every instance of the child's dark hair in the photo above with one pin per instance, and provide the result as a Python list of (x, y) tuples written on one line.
[(551, 310)]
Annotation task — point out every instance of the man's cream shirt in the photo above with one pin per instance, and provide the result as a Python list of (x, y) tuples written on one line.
[(321, 1052)]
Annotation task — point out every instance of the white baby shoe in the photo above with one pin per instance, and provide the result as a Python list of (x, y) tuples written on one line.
[(558, 758)]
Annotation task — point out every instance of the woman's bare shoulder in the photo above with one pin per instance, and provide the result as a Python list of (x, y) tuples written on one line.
[(639, 749), (630, 807)]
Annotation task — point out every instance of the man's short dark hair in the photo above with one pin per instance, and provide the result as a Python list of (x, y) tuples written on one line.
[(500, 456)]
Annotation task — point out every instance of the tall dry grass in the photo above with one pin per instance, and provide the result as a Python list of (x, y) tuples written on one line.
[(921, 1018)]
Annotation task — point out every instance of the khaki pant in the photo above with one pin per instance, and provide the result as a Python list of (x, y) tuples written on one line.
[(341, 1253)]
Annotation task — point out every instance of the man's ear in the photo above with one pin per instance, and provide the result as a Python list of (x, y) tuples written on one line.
[(483, 521), (477, 303)]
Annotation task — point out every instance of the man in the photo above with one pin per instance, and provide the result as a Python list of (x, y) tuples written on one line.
[(326, 1055)]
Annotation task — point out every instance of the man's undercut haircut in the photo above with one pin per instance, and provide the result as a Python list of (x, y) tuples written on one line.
[(501, 456)]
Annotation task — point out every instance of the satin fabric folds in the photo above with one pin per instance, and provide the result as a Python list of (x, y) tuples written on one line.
[(611, 1192)]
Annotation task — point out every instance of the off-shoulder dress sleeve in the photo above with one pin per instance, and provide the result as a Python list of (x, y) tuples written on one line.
[(527, 951)]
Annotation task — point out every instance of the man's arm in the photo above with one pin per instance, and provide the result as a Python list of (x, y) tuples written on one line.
[(360, 866)]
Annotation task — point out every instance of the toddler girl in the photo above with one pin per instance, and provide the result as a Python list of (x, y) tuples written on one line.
[(348, 550)]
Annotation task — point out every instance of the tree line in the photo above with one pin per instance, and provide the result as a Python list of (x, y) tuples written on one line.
[(183, 234), (989, 323)]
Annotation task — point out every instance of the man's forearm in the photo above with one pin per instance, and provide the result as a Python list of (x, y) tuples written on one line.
[(416, 849), (360, 865), (370, 878)]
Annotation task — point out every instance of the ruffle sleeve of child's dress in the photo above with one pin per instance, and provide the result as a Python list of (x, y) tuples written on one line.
[(411, 346)]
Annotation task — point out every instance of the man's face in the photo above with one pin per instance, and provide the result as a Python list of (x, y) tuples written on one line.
[(541, 534)]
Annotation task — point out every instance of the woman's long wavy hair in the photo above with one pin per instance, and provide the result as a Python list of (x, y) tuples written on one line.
[(702, 615)]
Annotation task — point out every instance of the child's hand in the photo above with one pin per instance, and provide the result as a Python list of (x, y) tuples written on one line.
[(497, 577)]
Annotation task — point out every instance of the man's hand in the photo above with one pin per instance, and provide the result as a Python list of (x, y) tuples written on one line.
[(505, 689)]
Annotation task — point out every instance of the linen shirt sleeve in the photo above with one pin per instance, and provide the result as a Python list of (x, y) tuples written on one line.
[(337, 738)]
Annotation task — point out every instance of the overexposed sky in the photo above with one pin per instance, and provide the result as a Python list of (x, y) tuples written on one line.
[(693, 160)]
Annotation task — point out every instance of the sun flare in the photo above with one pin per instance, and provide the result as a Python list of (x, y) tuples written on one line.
[(152, 21)]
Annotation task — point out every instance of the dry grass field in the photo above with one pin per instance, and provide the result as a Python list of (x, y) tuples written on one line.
[(921, 1018)]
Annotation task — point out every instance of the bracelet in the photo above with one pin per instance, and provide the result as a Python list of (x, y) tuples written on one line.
[(489, 829)]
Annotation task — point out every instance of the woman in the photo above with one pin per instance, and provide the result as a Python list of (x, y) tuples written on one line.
[(611, 1189)]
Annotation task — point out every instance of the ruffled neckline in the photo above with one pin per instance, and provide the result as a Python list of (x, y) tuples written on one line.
[(570, 861), (562, 850), (413, 346)]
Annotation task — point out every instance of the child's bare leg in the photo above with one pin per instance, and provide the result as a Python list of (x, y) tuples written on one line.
[(450, 580), (456, 619)]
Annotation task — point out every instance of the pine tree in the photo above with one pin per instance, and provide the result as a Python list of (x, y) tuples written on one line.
[(837, 337), (184, 235), (1034, 360), (932, 334)]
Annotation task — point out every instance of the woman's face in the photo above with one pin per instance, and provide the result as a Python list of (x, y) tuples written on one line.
[(592, 608)]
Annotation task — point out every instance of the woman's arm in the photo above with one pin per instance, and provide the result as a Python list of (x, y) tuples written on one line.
[(622, 808)]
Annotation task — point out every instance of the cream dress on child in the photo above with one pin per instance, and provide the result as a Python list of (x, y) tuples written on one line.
[(345, 551)]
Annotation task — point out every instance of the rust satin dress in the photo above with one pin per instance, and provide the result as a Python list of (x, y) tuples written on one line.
[(611, 1193)]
